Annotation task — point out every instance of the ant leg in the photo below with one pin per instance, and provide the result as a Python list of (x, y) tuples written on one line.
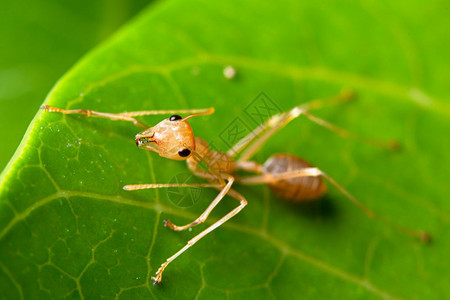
[(304, 172), (202, 218), (127, 116), (258, 137), (223, 191), (278, 121), (91, 113), (307, 172), (135, 187), (232, 193)]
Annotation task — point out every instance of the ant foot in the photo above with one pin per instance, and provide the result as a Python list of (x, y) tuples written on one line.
[(168, 223), (348, 94), (394, 145), (50, 108), (157, 279), (425, 237)]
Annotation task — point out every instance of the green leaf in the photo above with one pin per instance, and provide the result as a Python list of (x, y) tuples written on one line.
[(70, 231), (40, 41)]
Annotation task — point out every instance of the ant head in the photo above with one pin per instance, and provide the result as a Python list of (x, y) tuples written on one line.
[(171, 138)]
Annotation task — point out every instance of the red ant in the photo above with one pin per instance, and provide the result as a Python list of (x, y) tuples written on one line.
[(288, 175)]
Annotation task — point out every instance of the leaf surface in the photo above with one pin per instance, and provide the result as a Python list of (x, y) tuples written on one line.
[(68, 230), (40, 41)]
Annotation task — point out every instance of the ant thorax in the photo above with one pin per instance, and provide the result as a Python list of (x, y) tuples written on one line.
[(215, 161)]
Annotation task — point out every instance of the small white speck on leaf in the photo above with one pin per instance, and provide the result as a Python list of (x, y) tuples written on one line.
[(229, 72)]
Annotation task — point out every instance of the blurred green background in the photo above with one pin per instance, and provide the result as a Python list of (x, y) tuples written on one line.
[(40, 41)]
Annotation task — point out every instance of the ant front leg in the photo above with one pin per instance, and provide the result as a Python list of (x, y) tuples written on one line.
[(92, 113), (126, 116)]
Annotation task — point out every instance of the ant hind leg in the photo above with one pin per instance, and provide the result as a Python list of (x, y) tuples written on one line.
[(307, 172)]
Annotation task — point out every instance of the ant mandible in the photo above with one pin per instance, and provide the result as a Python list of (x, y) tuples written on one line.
[(287, 175)]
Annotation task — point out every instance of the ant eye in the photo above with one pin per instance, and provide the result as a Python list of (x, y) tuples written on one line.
[(175, 117), (184, 152)]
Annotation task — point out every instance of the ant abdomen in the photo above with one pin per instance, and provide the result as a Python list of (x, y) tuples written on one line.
[(297, 188)]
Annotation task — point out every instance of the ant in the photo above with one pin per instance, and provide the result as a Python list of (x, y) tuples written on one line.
[(287, 175)]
